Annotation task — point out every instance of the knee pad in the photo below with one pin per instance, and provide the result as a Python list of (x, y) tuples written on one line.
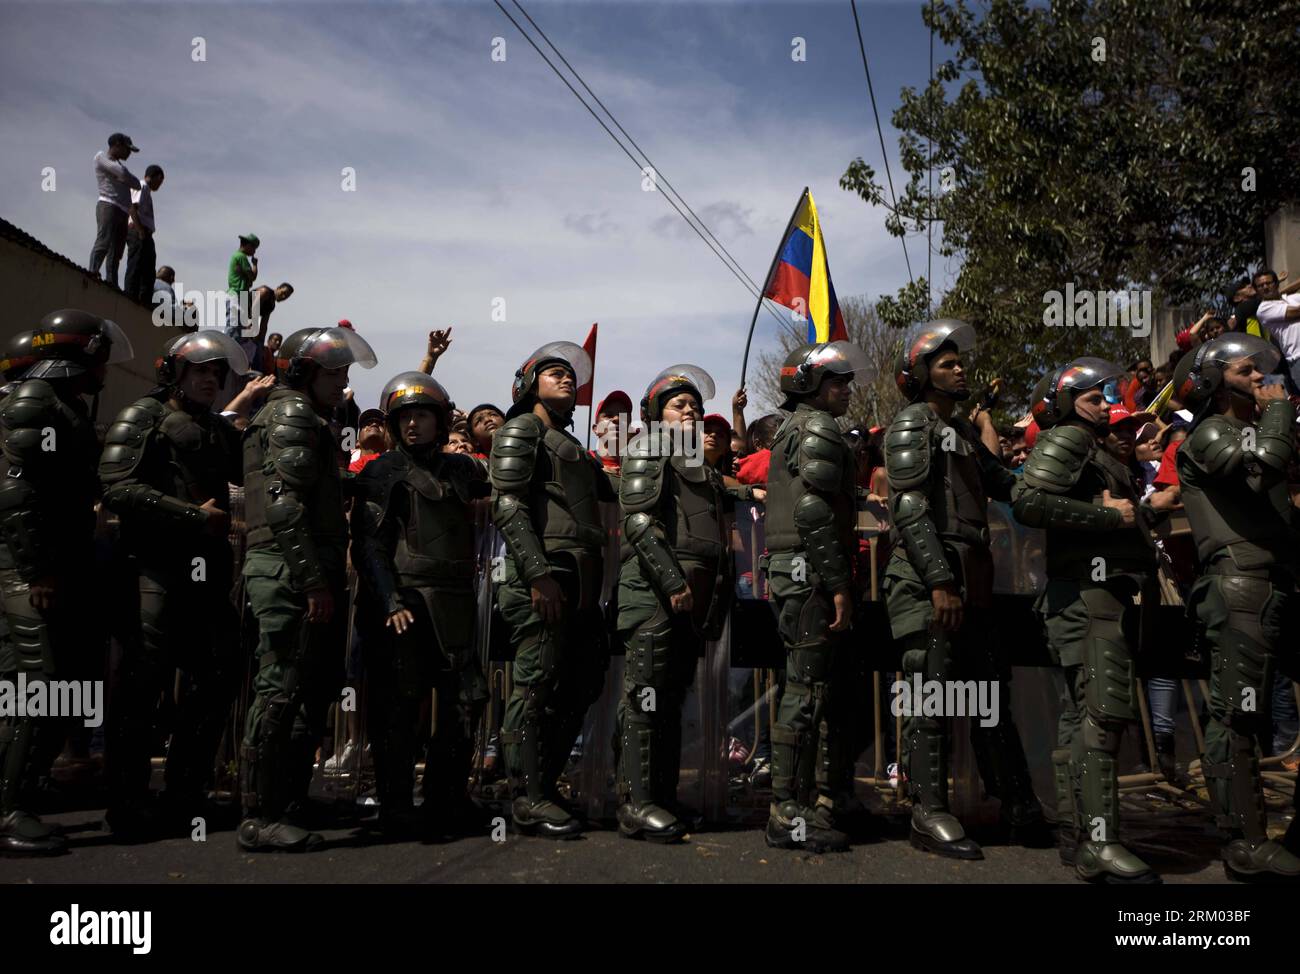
[(805, 624), (1110, 693), (1101, 734), (647, 655)]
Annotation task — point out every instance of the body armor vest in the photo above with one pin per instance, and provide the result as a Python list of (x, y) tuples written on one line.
[(436, 544), (959, 509), (1229, 520), (68, 482), (323, 508), (785, 488), (563, 501), (191, 458), (1125, 550), (690, 512)]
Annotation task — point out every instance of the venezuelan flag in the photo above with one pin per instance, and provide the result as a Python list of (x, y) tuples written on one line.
[(801, 277)]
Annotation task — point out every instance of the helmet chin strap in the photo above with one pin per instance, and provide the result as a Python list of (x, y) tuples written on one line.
[(563, 420)]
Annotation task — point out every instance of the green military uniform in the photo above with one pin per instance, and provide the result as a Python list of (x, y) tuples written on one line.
[(1096, 568), (811, 543), (545, 495), (413, 546), (674, 535), (160, 465), (297, 544), (1234, 488), (47, 521), (941, 477)]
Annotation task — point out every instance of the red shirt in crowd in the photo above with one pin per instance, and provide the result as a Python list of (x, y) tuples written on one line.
[(359, 464), (753, 469), (1168, 472)]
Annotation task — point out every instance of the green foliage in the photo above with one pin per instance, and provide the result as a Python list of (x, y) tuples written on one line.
[(1057, 159)]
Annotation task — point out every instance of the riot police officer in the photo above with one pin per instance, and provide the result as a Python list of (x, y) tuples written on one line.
[(545, 494), (413, 548), (1099, 557), (1233, 472), (674, 592), (811, 543), (294, 574), (942, 472), (167, 466), (47, 519)]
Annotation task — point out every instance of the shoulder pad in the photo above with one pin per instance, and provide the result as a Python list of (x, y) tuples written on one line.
[(182, 429), (292, 431), (467, 475), (514, 452), (292, 411), (821, 453), (642, 478), (33, 404), (26, 413), (1058, 458), (1214, 446), (907, 447), (124, 443), (379, 475)]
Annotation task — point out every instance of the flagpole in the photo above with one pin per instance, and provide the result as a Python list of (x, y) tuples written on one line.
[(593, 395), (744, 366)]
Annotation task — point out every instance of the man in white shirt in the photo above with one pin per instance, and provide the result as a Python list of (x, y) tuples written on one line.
[(140, 252), (114, 203), (1279, 315)]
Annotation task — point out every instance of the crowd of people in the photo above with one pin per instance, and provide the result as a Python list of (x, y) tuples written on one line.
[(1097, 463), (125, 222)]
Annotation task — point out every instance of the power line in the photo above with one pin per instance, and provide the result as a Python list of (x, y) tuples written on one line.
[(880, 132), (719, 251), (929, 177)]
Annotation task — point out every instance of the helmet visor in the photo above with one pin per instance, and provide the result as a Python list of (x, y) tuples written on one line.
[(677, 376), (334, 348), (842, 358), (210, 345), (1088, 373), (119, 346), (574, 355), (1231, 348), (925, 337), (410, 384)]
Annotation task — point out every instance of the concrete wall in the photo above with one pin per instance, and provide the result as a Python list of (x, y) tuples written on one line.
[(34, 284), (1282, 240), (1169, 322)]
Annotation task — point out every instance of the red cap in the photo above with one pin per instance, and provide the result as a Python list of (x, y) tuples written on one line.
[(1031, 434), (344, 323), (717, 419), (1119, 413), (617, 396)]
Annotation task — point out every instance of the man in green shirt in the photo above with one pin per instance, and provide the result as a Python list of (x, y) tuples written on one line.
[(239, 280)]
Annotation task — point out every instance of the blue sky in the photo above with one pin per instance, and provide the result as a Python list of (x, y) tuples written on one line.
[(475, 179)]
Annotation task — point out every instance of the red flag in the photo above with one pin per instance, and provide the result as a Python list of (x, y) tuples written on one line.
[(589, 346)]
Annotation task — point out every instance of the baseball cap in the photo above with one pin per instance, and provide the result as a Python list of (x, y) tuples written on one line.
[(616, 398), (717, 419), (117, 138), (250, 238), (1120, 414), (369, 416), (344, 323)]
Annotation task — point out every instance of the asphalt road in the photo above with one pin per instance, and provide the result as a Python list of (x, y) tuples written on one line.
[(1177, 842)]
